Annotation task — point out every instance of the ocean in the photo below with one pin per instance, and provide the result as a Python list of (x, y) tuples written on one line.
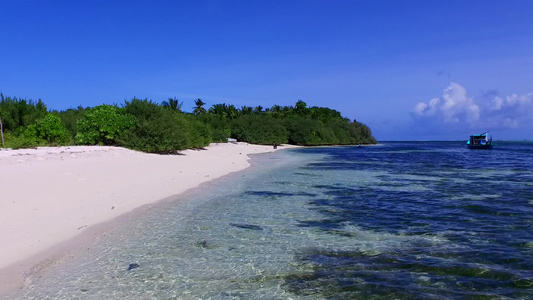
[(399, 220)]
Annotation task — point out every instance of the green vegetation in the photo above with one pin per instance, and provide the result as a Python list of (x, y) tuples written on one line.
[(257, 129), (164, 128), (70, 118), (48, 131), (161, 130), (102, 125), (16, 113)]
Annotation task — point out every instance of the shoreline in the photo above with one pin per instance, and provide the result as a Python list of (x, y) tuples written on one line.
[(111, 185)]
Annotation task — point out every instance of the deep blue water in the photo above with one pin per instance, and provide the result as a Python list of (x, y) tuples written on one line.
[(400, 220)]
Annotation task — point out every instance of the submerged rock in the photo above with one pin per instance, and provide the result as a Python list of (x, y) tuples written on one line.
[(205, 244), (247, 226)]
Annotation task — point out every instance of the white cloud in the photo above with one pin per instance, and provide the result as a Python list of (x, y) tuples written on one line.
[(519, 102), (455, 106), (420, 108), (497, 103)]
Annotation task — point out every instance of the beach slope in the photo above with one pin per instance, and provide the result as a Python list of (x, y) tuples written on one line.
[(51, 195)]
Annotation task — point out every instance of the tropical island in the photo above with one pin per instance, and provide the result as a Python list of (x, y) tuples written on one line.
[(144, 125)]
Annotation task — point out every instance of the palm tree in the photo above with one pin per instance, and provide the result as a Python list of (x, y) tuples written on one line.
[(199, 108), (300, 106), (276, 110), (224, 110), (232, 112), (172, 104), (218, 109), (246, 110), (258, 109)]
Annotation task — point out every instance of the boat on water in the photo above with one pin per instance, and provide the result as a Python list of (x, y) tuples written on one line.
[(480, 141)]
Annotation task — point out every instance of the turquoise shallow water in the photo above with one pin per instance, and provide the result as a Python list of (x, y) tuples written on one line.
[(399, 220)]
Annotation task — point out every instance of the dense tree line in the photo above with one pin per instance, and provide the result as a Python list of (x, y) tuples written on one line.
[(144, 125)]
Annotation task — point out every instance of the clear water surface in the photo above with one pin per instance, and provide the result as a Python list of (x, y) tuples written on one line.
[(400, 220)]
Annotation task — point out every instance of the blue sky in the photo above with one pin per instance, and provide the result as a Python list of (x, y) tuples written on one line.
[(411, 70)]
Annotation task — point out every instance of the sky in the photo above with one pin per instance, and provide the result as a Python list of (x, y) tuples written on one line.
[(409, 69)]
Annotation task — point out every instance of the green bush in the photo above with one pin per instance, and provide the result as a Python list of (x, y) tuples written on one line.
[(25, 137), (8, 137), (219, 126), (259, 129), (302, 131), (70, 118), (17, 113), (102, 124), (199, 133), (341, 129), (157, 130), (326, 136), (361, 134), (51, 130), (48, 131)]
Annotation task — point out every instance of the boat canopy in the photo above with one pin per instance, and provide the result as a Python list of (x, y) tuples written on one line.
[(480, 141)]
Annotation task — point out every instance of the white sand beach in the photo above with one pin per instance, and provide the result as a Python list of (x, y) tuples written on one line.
[(49, 196)]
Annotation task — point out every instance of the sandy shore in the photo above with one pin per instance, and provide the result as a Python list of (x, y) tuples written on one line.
[(51, 195)]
